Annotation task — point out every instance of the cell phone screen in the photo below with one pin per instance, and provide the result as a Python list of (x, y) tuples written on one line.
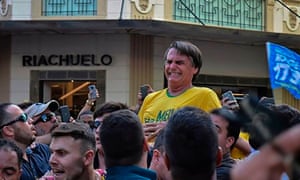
[(64, 113), (229, 95), (93, 91)]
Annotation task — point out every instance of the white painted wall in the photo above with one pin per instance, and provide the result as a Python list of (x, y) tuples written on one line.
[(233, 60), (117, 74)]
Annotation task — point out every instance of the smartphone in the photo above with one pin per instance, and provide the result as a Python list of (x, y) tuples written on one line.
[(229, 95), (144, 91), (64, 113), (93, 91)]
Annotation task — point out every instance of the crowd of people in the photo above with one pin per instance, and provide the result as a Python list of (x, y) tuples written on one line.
[(180, 132)]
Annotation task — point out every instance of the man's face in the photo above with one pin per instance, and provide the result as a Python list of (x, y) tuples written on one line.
[(178, 68), (24, 132), (9, 166), (45, 127), (86, 118), (221, 125), (97, 135), (66, 161)]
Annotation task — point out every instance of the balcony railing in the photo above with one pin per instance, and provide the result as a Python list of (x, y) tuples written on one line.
[(243, 14), (69, 7)]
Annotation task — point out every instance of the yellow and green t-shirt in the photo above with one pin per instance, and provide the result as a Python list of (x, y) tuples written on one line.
[(159, 106)]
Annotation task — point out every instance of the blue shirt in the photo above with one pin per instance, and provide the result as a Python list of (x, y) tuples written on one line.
[(38, 162), (129, 173)]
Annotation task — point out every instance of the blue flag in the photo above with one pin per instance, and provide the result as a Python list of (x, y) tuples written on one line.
[(284, 68)]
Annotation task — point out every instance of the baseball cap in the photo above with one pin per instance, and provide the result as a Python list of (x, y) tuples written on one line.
[(37, 108)]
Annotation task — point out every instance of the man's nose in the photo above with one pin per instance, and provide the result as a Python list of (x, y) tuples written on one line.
[(52, 159)]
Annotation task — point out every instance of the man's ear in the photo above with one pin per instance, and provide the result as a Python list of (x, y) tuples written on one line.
[(229, 141), (167, 161), (219, 156), (8, 131), (156, 155), (196, 70), (88, 157)]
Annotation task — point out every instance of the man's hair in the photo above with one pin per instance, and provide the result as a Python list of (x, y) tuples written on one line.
[(109, 107), (4, 115), (122, 138), (78, 131), (191, 144), (188, 49), (25, 105), (8, 145), (234, 127)]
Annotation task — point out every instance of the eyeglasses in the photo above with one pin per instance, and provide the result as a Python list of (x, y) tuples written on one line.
[(23, 118), (45, 117)]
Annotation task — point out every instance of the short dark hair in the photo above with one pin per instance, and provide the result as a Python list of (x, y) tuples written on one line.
[(191, 144), (122, 138), (77, 131), (11, 146), (4, 115), (234, 126), (109, 107), (25, 105), (188, 49)]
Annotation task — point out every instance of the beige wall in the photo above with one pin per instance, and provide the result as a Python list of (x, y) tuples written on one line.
[(5, 52), (117, 85)]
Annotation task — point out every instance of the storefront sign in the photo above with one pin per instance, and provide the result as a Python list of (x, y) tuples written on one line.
[(66, 60)]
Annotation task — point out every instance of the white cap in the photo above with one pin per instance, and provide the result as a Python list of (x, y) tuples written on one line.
[(37, 108)]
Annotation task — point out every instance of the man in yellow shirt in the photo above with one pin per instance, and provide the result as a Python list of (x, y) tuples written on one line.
[(183, 62)]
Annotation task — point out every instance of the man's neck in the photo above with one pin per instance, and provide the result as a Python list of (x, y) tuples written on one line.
[(143, 162), (177, 90), (23, 148), (90, 174)]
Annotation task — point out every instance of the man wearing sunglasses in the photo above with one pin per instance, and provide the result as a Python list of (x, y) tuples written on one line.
[(16, 126), (44, 119)]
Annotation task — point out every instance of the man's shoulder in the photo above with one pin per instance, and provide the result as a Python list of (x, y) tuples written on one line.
[(202, 89), (38, 148), (130, 172)]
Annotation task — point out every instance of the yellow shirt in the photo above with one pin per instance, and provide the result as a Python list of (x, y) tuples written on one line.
[(235, 152), (159, 106)]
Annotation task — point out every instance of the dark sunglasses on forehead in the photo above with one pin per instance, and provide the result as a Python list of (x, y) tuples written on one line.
[(23, 118), (45, 117)]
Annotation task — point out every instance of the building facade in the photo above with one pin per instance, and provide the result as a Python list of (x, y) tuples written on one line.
[(54, 49)]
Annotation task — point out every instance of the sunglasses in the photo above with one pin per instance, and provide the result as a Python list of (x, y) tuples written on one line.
[(23, 118), (45, 117)]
